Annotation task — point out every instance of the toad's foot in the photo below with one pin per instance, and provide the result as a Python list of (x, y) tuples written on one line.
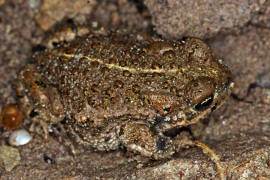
[(138, 137), (60, 132), (214, 157), (39, 124)]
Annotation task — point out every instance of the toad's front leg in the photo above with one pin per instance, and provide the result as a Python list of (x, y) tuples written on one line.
[(137, 136), (40, 102)]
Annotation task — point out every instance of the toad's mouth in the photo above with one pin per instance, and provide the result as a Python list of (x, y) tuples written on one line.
[(222, 93), (226, 88)]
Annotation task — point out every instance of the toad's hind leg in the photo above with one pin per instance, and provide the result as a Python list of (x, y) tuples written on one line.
[(102, 137), (137, 136)]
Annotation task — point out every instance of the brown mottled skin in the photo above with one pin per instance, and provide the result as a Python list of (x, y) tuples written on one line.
[(114, 90)]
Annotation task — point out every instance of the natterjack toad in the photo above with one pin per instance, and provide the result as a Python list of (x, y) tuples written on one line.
[(115, 90)]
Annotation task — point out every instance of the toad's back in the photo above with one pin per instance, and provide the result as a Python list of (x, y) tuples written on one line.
[(112, 76)]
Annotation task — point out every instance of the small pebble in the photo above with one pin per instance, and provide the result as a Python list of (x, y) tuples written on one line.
[(2, 2), (9, 157), (34, 3), (11, 117), (264, 79), (266, 96), (19, 137)]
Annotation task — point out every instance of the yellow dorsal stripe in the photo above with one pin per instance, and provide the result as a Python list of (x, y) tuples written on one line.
[(125, 68)]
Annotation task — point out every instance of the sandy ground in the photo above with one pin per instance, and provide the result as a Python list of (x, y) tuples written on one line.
[(239, 132)]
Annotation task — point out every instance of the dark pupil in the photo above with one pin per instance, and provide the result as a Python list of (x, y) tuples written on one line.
[(204, 104)]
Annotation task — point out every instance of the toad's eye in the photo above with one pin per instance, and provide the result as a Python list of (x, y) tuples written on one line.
[(204, 104), (199, 93)]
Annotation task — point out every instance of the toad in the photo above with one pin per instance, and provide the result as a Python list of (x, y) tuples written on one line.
[(117, 90)]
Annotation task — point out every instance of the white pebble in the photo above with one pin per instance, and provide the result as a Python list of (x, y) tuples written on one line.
[(19, 137)]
